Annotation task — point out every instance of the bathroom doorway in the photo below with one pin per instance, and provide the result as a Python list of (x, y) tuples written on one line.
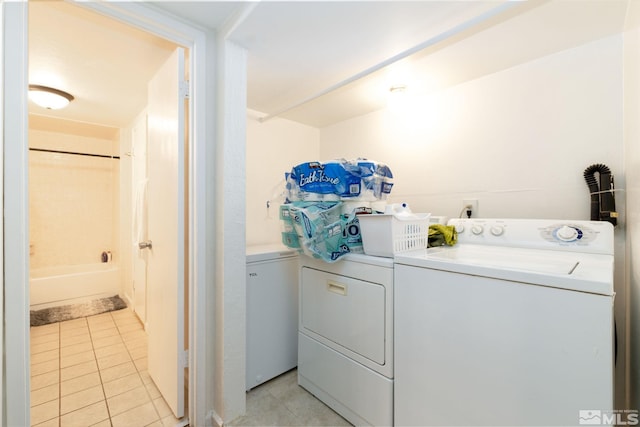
[(106, 182)]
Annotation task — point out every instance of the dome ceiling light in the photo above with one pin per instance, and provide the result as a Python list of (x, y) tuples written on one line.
[(48, 97)]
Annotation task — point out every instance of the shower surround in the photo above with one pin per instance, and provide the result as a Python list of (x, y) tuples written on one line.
[(74, 216)]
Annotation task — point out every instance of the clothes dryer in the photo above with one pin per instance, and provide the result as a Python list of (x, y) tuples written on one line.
[(346, 336)]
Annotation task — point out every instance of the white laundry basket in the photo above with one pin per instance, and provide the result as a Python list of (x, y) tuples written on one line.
[(388, 234)]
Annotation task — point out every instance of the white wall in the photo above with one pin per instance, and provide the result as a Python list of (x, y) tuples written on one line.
[(517, 140), (230, 223), (632, 170), (273, 148), (125, 214)]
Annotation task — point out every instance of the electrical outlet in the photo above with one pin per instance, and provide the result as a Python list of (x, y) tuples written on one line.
[(474, 207)]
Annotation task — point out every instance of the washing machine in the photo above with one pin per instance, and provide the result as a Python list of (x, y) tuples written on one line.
[(345, 336), (511, 326), (272, 312)]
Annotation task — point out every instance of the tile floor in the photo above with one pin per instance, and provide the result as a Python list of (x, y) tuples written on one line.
[(282, 402), (93, 372)]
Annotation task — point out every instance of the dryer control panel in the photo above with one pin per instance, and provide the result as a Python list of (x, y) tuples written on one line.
[(578, 236)]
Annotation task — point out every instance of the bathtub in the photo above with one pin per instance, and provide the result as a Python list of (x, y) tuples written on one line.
[(55, 286)]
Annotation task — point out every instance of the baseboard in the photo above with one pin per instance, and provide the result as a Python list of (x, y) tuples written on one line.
[(127, 298), (213, 419)]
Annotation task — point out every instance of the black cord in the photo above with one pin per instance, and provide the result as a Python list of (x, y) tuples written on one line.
[(468, 210)]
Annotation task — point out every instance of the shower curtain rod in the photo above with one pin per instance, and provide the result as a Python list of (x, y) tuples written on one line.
[(74, 153)]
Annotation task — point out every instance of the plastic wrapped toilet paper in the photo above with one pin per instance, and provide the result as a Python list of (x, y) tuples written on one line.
[(320, 230), (323, 200), (359, 179)]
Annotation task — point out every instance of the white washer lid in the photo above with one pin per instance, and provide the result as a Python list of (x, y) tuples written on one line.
[(268, 252), (542, 262), (566, 270)]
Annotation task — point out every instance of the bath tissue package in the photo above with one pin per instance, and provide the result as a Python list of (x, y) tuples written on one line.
[(320, 216), (336, 180)]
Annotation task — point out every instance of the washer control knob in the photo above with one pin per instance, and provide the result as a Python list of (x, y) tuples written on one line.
[(497, 230), (459, 228), (566, 233), (477, 229)]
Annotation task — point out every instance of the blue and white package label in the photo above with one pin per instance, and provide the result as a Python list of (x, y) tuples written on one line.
[(329, 178)]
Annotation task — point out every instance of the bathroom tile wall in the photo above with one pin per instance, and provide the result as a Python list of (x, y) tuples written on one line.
[(72, 199)]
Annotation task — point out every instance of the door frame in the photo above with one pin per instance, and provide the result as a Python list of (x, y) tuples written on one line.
[(16, 225), (2, 38), (16, 213)]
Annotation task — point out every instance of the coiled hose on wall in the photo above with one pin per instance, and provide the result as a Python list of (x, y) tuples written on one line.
[(603, 203)]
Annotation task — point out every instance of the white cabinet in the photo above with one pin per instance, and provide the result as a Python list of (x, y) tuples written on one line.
[(272, 313)]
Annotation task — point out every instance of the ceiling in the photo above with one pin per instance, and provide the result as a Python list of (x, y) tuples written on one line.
[(104, 64), (314, 62)]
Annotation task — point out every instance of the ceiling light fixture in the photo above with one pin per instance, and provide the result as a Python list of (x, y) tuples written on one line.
[(398, 100), (48, 97), (398, 89)]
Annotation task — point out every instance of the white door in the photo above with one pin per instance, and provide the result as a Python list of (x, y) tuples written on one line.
[(139, 203), (166, 222)]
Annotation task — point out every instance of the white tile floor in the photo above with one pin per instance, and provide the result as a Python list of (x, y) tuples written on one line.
[(93, 372), (282, 402)]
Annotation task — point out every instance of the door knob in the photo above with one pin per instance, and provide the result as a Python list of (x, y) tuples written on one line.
[(145, 245)]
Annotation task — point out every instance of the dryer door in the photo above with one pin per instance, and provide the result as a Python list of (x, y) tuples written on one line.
[(347, 312)]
